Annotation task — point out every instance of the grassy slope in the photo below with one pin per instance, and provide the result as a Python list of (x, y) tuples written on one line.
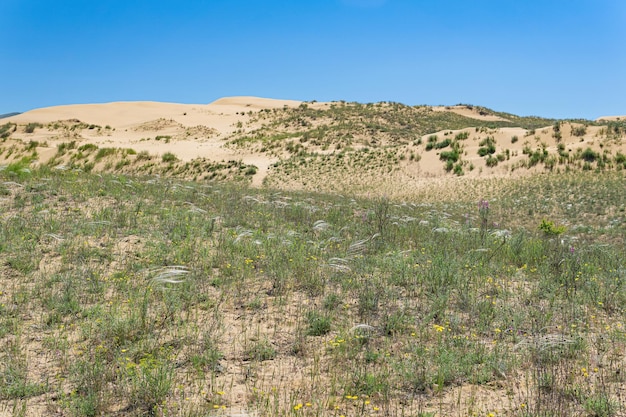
[(134, 296)]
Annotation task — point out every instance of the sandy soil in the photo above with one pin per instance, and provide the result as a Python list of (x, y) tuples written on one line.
[(197, 130)]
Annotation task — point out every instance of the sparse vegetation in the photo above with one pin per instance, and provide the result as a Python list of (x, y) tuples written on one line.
[(144, 294), (152, 291)]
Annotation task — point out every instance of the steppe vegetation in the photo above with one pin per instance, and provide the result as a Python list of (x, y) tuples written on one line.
[(396, 261), (129, 295)]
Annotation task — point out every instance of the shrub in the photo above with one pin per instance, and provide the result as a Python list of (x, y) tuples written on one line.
[(579, 130), (169, 157), (143, 156), (449, 156), (588, 155), (491, 161), (487, 146), (30, 128), (6, 129), (484, 151), (443, 144), (65, 146)]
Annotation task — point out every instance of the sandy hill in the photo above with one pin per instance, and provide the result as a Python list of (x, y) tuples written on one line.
[(310, 145)]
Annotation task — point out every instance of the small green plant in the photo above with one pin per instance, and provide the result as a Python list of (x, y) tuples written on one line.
[(14, 379), (6, 130), (491, 161), (319, 324), (169, 157), (261, 350), (487, 146), (461, 136), (550, 229), (148, 383), (588, 155), (20, 169), (143, 156), (483, 214), (104, 152), (30, 128), (63, 148), (450, 155), (579, 131), (88, 147), (458, 169), (600, 405)]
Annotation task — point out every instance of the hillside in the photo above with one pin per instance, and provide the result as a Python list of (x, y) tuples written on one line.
[(335, 146)]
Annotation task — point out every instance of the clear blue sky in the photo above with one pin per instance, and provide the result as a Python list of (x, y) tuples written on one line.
[(553, 58)]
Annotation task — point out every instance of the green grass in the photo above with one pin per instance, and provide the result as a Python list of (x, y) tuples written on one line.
[(154, 296)]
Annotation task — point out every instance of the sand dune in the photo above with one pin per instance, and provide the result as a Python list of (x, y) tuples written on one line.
[(201, 131), (196, 130), (610, 118), (218, 114), (255, 102), (469, 112)]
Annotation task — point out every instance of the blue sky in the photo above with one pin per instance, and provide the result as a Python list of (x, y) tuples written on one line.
[(553, 58)]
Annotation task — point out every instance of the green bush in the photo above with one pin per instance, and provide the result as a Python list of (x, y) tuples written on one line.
[(588, 155), (487, 146), (319, 324), (6, 130), (443, 144), (169, 157), (449, 156), (30, 128), (491, 161)]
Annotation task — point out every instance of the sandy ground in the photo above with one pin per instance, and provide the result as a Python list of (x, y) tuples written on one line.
[(197, 130)]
